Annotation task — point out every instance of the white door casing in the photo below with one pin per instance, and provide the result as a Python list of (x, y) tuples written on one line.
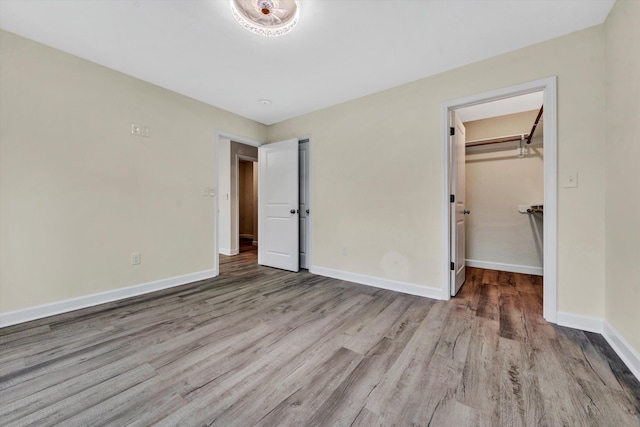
[(304, 203), (550, 131), (278, 205), (458, 212)]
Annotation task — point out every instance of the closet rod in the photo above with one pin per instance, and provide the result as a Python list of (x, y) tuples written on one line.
[(535, 125), (479, 142)]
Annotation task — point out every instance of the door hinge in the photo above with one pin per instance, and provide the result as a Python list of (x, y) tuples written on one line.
[(452, 131), (452, 198), (453, 266)]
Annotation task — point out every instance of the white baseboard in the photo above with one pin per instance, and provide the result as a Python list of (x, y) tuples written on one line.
[(513, 268), (623, 349), (254, 243), (577, 321), (228, 252), (377, 282), (32, 313)]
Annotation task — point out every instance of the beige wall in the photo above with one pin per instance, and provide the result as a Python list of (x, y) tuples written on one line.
[(497, 182), (623, 174), (377, 169), (79, 193)]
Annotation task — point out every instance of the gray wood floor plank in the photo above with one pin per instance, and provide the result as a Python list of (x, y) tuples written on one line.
[(366, 418), (60, 411), (16, 409), (296, 408), (7, 367), (283, 361), (479, 384), (23, 335), (391, 395), (437, 376), (410, 319), (519, 401), (260, 346), (365, 334)]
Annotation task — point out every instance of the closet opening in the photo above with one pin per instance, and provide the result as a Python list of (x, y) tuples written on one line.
[(504, 191), (501, 176)]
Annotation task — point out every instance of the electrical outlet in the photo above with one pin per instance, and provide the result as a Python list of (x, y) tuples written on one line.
[(136, 258), (135, 129), (344, 251), (145, 131)]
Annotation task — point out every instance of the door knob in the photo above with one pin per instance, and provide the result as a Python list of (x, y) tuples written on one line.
[(466, 212), (292, 211), (307, 211)]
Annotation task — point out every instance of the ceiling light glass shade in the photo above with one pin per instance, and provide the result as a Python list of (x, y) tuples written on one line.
[(269, 18)]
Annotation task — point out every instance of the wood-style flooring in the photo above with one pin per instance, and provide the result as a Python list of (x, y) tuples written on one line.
[(260, 346)]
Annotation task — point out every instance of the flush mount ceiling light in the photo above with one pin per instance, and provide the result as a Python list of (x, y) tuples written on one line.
[(269, 18)]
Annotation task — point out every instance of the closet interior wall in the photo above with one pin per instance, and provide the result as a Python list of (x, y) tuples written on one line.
[(498, 182)]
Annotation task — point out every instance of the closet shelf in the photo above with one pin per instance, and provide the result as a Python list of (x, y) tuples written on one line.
[(535, 209)]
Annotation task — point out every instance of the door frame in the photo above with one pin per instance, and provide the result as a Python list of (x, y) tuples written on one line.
[(454, 163), (550, 134), (216, 149), (310, 195), (248, 141)]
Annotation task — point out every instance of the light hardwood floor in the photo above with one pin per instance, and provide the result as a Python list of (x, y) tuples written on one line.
[(259, 346)]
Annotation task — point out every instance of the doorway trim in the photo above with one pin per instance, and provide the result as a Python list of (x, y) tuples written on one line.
[(311, 212), (216, 149), (248, 141), (550, 134)]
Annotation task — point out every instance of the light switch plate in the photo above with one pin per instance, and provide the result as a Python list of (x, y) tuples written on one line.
[(570, 180), (135, 258)]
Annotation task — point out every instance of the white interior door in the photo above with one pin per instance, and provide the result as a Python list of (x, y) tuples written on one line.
[(278, 205), (458, 211), (303, 200)]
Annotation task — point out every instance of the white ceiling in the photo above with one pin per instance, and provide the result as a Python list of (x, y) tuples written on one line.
[(340, 50)]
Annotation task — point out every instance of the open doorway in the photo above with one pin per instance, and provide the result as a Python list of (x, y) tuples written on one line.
[(238, 223), (455, 207), (247, 204), (232, 187), (504, 184)]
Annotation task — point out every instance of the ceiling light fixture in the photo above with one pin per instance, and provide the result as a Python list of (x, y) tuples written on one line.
[(264, 101), (269, 18)]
